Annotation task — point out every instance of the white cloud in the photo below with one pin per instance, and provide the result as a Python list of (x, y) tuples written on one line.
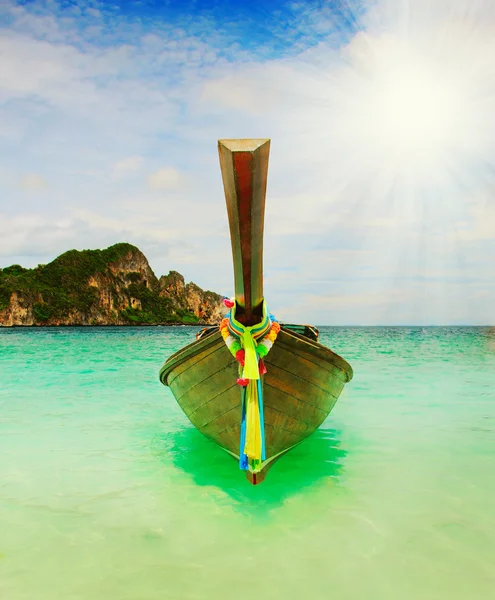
[(165, 178), (38, 67), (93, 12), (32, 181), (128, 164), (382, 150), (481, 222), (390, 113)]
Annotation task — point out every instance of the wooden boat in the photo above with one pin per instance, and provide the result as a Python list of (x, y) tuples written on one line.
[(304, 378)]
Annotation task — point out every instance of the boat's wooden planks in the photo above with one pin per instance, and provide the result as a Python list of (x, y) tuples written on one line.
[(303, 397), (191, 349), (298, 399), (199, 373), (225, 430), (274, 417), (276, 439), (213, 350), (303, 390), (279, 420), (280, 428), (312, 354), (302, 366), (298, 394), (227, 420), (193, 397), (202, 370), (316, 353), (303, 382), (228, 399), (292, 406)]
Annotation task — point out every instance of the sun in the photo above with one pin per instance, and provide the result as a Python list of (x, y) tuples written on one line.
[(415, 113), (405, 107)]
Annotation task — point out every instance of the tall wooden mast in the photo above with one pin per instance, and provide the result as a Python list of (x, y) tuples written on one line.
[(244, 166)]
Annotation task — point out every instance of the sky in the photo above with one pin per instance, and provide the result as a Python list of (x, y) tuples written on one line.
[(380, 205)]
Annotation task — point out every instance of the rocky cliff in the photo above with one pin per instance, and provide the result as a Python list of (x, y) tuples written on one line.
[(115, 286)]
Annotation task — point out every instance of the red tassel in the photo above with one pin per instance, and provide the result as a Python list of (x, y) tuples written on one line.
[(243, 382), (261, 367), (228, 303), (240, 356)]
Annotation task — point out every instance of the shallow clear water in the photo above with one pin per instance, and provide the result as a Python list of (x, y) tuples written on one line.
[(106, 491)]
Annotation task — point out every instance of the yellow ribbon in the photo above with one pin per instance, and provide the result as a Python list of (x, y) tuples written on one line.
[(253, 445), (252, 448), (251, 370)]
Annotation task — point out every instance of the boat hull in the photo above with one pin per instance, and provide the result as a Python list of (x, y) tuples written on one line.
[(303, 382)]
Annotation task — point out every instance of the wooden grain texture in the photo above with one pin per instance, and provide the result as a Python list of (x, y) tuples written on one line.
[(302, 385), (244, 166)]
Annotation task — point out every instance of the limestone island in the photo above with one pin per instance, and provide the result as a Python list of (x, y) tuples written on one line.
[(115, 286)]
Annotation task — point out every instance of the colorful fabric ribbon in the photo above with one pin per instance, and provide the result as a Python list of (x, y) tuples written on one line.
[(248, 344)]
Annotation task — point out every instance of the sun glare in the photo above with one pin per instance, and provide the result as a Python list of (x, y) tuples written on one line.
[(405, 108), (415, 112)]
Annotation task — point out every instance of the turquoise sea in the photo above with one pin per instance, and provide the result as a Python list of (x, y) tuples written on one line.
[(107, 492)]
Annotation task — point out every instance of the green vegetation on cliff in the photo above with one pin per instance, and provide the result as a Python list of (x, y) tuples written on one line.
[(115, 285)]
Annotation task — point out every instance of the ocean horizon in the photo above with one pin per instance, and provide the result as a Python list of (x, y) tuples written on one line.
[(202, 325)]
